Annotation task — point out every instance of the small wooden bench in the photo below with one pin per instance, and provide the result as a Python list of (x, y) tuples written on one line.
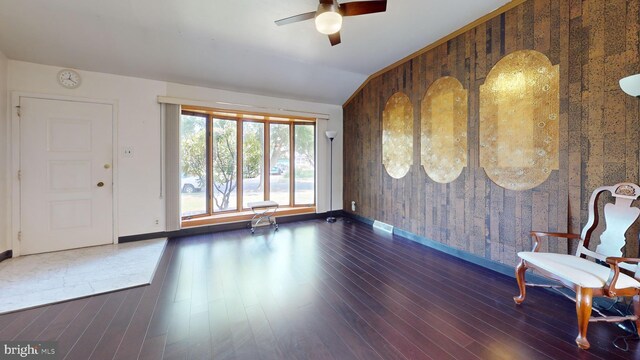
[(264, 214)]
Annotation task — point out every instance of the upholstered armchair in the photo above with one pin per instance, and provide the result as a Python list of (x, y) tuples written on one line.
[(603, 272)]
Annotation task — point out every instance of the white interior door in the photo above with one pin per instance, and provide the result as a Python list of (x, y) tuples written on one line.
[(66, 187)]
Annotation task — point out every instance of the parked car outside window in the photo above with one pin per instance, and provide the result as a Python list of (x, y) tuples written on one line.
[(190, 184)]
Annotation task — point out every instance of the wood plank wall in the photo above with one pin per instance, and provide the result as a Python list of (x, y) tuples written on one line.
[(595, 42)]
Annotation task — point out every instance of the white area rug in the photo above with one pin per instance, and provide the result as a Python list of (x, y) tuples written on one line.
[(35, 280)]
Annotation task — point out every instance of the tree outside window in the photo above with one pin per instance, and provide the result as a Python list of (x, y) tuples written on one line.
[(218, 191)]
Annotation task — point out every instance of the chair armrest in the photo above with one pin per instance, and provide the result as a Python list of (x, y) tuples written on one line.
[(615, 272), (612, 260), (538, 234)]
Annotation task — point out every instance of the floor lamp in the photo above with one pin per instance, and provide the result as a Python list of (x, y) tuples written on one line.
[(629, 84), (331, 135)]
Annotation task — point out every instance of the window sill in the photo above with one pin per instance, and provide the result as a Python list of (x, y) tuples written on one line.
[(243, 216)]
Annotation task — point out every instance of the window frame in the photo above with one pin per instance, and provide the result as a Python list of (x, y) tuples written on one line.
[(240, 117), (292, 164), (210, 168), (265, 162), (208, 138)]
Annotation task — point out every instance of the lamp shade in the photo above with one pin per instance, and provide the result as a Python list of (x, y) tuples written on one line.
[(328, 19), (331, 134), (631, 85)]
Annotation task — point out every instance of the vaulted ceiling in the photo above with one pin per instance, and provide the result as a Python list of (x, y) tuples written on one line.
[(231, 44)]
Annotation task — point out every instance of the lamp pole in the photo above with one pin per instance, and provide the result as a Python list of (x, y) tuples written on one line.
[(331, 135)]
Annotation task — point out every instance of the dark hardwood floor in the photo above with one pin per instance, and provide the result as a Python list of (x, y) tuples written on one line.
[(314, 290)]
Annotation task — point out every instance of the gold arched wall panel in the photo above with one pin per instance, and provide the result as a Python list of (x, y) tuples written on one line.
[(519, 112), (443, 116), (397, 135)]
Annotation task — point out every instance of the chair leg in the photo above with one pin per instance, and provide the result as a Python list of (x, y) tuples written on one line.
[(583, 310), (520, 270)]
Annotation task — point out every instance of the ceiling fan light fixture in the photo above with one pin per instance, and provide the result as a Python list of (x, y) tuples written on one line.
[(328, 19)]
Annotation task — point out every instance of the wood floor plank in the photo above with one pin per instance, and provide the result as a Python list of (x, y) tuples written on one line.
[(137, 329), (428, 336), (153, 348), (7, 319), (314, 290), (200, 346), (517, 313), (155, 337), (447, 294), (19, 322), (361, 326), (389, 326), (328, 323), (62, 320), (113, 335), (161, 317), (461, 337), (244, 344), (41, 322), (221, 339), (295, 337), (83, 348), (457, 269), (405, 273), (79, 324), (422, 309), (464, 321), (265, 339)]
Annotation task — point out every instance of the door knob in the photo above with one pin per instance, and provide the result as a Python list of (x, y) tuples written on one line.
[(100, 184)]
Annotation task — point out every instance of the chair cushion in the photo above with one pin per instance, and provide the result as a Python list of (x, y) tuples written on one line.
[(579, 271)]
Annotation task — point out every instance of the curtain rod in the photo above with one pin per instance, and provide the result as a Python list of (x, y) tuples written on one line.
[(235, 106)]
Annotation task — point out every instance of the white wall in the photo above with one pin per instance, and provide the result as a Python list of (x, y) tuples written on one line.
[(4, 155), (138, 125)]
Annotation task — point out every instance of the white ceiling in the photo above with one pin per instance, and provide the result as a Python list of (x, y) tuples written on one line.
[(232, 44)]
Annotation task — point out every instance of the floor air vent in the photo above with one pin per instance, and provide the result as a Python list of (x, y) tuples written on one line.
[(382, 226)]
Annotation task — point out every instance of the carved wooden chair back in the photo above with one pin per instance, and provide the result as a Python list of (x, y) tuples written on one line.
[(618, 216)]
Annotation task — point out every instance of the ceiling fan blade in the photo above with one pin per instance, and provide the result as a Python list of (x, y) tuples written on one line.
[(335, 38), (296, 18), (363, 7)]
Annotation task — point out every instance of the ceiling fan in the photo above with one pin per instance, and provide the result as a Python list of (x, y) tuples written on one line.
[(328, 17)]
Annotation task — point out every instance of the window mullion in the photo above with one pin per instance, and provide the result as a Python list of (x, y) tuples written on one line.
[(266, 148), (315, 164), (239, 161), (209, 165), (292, 170)]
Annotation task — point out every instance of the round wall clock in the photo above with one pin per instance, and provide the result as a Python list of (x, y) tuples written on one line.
[(69, 79)]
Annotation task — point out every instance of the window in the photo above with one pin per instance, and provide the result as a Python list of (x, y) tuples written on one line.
[(280, 163), (225, 165), (230, 159), (253, 174), (193, 130), (305, 161)]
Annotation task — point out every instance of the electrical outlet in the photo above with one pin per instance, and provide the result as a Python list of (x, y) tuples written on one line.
[(157, 221), (353, 206)]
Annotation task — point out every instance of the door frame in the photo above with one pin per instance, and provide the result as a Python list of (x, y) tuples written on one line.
[(14, 163)]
